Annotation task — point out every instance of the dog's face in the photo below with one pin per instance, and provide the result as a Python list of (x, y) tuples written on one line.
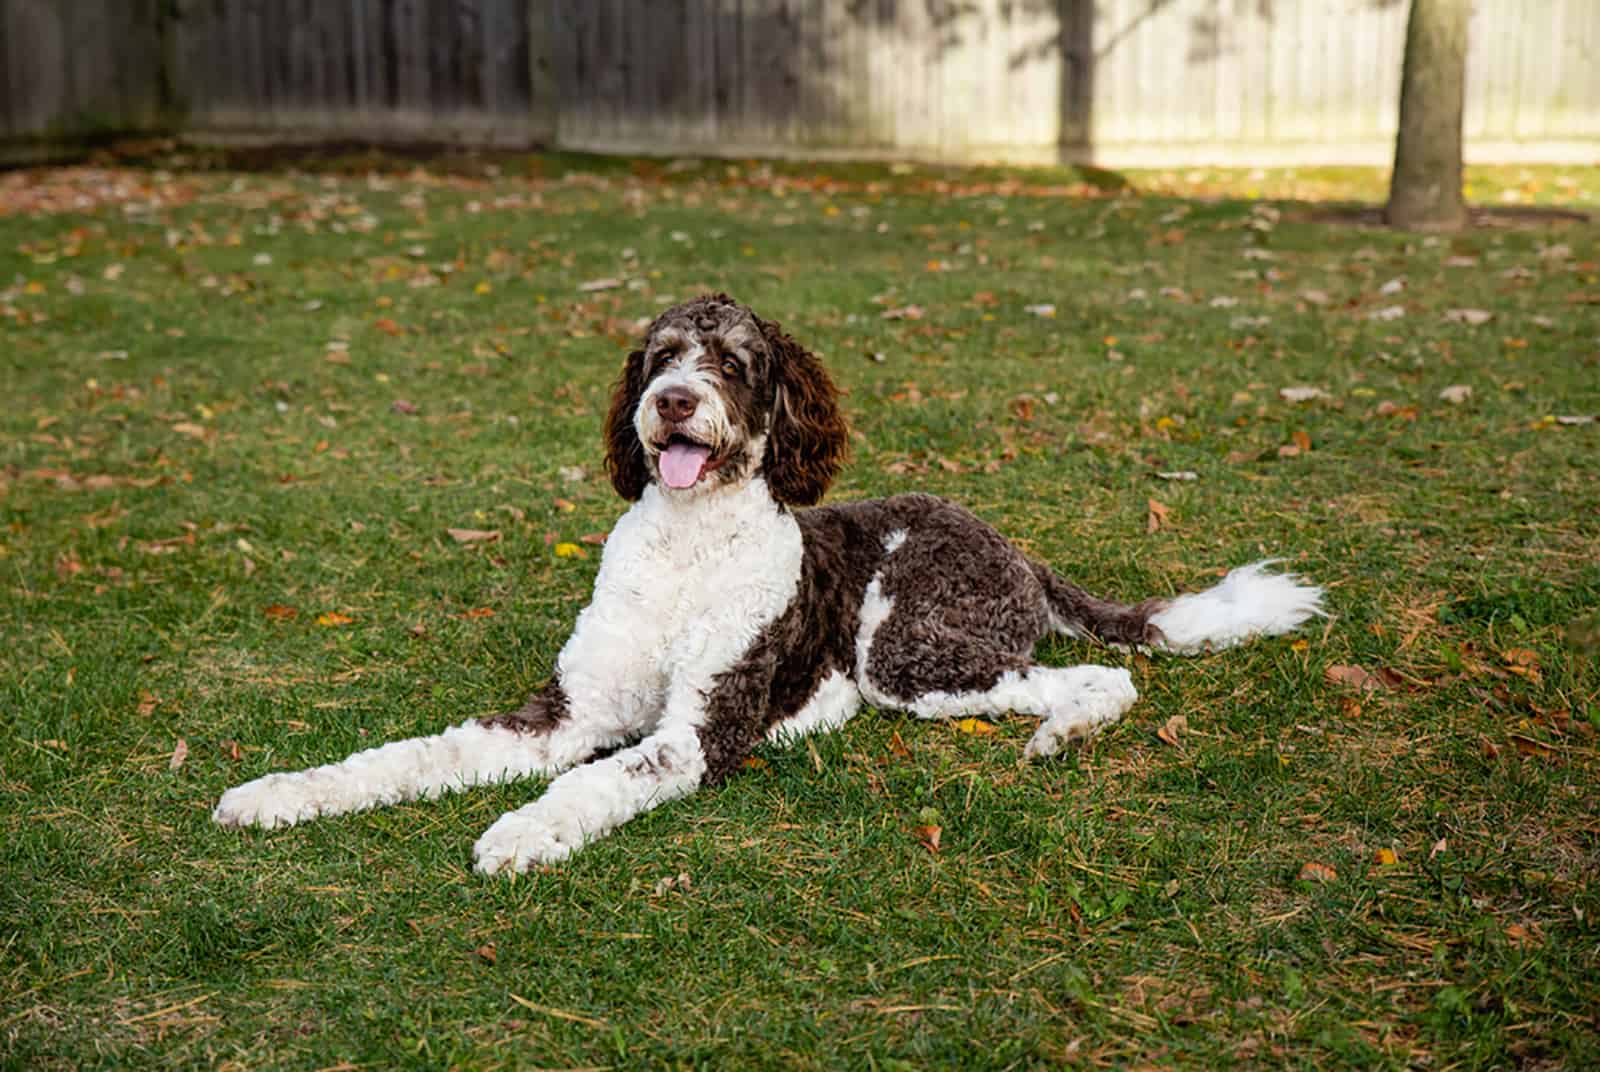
[(717, 396), (706, 406)]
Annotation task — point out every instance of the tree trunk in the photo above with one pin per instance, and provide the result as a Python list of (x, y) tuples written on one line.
[(1425, 193)]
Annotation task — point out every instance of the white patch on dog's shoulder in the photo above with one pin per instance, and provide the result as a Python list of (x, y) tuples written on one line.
[(892, 542)]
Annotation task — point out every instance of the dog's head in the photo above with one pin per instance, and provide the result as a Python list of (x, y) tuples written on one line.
[(718, 396)]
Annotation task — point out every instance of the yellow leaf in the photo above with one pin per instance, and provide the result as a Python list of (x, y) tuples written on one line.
[(975, 725), (570, 550), (482, 288), (1386, 857), (333, 618)]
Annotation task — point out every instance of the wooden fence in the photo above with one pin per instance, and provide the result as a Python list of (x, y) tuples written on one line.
[(1117, 82)]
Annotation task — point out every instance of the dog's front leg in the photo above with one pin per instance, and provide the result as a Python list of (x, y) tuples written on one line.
[(710, 725), (542, 737)]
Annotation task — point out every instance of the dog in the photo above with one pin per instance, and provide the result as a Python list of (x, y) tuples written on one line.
[(729, 610)]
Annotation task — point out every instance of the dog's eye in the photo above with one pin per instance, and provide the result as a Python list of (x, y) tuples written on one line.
[(730, 367)]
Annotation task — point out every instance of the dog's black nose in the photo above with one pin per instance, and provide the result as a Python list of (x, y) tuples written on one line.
[(676, 403)]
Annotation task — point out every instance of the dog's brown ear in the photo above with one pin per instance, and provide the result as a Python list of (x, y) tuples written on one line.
[(808, 439), (624, 453)]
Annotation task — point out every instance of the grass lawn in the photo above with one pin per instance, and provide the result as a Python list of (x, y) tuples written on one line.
[(244, 412)]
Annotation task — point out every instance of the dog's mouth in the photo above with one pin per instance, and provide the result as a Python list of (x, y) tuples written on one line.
[(684, 461)]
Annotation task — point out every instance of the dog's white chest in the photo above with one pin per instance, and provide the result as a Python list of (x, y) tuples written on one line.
[(681, 594)]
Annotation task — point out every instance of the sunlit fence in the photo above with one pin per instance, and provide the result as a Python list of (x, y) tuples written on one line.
[(1117, 82)]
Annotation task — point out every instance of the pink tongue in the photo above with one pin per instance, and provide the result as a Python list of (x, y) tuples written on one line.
[(681, 464)]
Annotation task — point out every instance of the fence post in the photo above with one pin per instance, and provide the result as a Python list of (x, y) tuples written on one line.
[(544, 101)]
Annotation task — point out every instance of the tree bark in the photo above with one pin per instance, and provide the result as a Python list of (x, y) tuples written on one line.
[(1425, 192)]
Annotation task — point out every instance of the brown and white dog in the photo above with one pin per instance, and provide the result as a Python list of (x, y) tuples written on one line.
[(724, 615)]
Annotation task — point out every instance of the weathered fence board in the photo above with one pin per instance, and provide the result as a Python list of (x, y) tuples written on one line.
[(79, 67), (436, 70), (1112, 81)]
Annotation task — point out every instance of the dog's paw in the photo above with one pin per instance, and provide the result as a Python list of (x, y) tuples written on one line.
[(1099, 696), (519, 842), (276, 800)]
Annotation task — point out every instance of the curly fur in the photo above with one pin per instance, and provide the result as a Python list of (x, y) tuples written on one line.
[(723, 615)]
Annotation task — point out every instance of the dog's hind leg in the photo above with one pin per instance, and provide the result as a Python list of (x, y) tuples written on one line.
[(913, 658), (540, 738)]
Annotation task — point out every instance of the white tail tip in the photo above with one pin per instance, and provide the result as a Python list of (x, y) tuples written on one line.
[(1247, 603)]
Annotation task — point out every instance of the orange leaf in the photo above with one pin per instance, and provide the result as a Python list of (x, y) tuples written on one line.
[(387, 326), (280, 613), (1315, 871), (478, 612), (333, 618), (180, 752), (1174, 726), (1386, 857), (474, 535), (1301, 439), (1157, 517), (929, 837)]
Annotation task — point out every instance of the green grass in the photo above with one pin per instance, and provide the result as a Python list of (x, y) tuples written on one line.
[(202, 457)]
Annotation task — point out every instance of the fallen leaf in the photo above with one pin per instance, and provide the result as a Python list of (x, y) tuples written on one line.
[(1172, 728), (1315, 871), (681, 881), (1157, 516), (388, 326), (1530, 746), (1353, 677), (904, 312), (1044, 309), (1179, 475), (332, 618), (280, 613), (1442, 845), (928, 836), (1474, 317), (231, 750), (593, 285), (474, 535), (1518, 933), (1302, 439), (1313, 296), (404, 407), (148, 702), (180, 752), (1301, 394), (1455, 394), (1386, 858), (190, 429), (486, 952), (754, 763), (1523, 662), (1575, 420), (594, 539), (570, 550), (975, 726), (478, 612)]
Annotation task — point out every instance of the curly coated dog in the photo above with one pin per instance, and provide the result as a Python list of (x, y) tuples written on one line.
[(728, 610)]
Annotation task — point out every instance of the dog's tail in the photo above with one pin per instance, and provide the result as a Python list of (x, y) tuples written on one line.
[(1247, 603)]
